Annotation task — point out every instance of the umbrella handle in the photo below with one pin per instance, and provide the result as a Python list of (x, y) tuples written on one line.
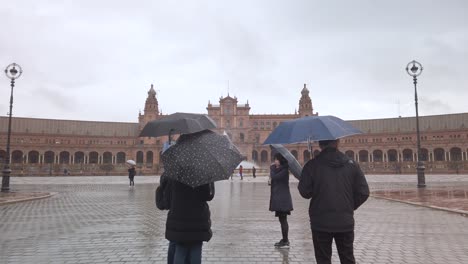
[(170, 136)]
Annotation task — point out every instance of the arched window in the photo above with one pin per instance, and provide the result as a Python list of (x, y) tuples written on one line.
[(455, 154), (378, 155), (439, 154), (392, 155), (2, 156), (49, 157), (107, 158), (64, 157), (350, 154), (407, 155), (139, 158), (93, 157), (294, 153), (255, 155), (17, 156), (241, 137), (121, 158), (264, 156), (306, 155), (33, 156), (363, 156), (424, 154), (79, 157), (149, 157)]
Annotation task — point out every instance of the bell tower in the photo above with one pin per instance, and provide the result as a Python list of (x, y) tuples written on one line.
[(151, 111), (305, 103)]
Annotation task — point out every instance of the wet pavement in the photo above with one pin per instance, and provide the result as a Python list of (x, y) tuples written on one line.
[(452, 198), (102, 220)]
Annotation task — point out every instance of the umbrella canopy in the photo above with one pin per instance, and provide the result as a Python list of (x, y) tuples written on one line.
[(178, 123), (314, 128), (201, 158), (294, 167), (131, 162)]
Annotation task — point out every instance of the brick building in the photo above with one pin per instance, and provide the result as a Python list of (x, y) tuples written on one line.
[(49, 146)]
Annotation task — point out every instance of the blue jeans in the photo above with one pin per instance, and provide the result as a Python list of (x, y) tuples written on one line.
[(184, 253)]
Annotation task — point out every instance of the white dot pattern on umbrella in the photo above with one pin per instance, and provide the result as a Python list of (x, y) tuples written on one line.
[(201, 158)]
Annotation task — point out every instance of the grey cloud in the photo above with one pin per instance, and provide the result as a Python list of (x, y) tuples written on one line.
[(105, 54)]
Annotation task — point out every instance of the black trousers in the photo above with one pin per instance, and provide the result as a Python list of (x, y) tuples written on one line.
[(323, 246)]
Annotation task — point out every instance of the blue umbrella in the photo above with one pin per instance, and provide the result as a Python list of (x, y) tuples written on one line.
[(311, 128)]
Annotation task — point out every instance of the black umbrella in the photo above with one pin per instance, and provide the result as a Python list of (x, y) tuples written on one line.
[(178, 123), (201, 158), (294, 167)]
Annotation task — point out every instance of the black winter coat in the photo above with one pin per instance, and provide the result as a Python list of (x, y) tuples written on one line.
[(280, 198), (188, 219), (337, 187), (131, 172)]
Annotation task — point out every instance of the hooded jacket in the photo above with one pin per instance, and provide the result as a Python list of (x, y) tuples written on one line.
[(189, 217), (337, 187)]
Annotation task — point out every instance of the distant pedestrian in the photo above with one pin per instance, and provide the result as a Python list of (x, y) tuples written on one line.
[(254, 171), (131, 174), (337, 187), (240, 172), (188, 222), (280, 198)]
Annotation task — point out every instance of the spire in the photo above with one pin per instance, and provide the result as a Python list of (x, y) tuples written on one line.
[(305, 103), (151, 104), (305, 90)]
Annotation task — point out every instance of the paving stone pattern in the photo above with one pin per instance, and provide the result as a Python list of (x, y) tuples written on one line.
[(110, 223)]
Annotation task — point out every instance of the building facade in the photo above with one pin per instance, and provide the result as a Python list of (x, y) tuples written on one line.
[(57, 147)]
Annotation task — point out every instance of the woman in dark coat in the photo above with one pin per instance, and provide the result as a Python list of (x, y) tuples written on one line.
[(131, 175), (188, 222), (280, 199)]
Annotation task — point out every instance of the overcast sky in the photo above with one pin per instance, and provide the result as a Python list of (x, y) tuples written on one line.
[(96, 60)]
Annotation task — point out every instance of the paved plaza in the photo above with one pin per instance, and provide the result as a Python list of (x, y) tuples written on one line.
[(102, 220)]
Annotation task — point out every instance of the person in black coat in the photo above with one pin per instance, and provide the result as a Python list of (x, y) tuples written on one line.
[(280, 199), (131, 175), (337, 187), (188, 222)]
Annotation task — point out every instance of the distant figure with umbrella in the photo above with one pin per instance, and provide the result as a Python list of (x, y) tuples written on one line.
[(131, 171), (337, 187), (280, 198)]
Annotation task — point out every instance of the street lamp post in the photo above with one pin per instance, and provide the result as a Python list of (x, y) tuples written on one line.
[(415, 71), (13, 72)]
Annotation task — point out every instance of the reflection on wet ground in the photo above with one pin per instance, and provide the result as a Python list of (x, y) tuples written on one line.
[(450, 197)]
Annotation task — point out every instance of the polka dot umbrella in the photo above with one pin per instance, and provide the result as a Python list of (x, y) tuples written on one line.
[(200, 158)]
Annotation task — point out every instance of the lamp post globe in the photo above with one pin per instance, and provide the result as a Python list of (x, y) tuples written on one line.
[(13, 72), (414, 69)]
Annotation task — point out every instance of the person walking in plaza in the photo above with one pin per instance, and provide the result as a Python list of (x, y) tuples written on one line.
[(240, 172), (254, 171), (337, 187), (131, 174), (280, 198), (188, 222)]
